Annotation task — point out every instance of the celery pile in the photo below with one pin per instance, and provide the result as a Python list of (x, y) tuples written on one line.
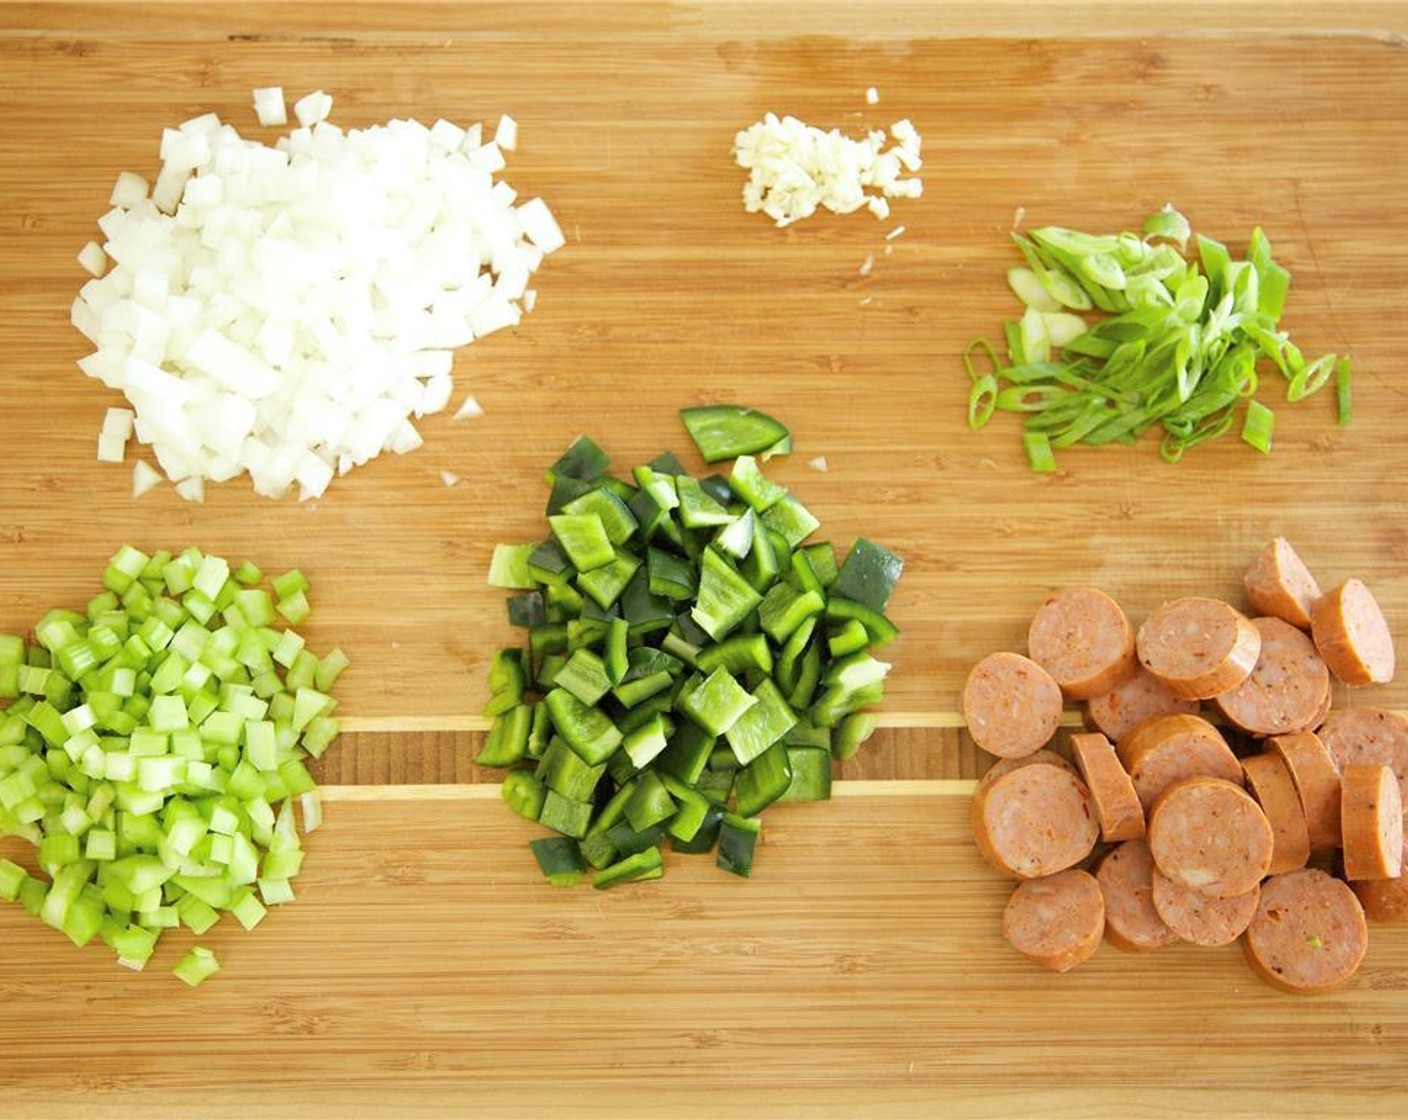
[(1178, 343), (152, 749), (691, 659)]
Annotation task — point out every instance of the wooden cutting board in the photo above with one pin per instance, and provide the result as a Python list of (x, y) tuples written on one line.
[(425, 969), (860, 973)]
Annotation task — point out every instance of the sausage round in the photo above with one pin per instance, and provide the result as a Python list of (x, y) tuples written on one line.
[(1011, 705), (1352, 635), (1034, 821), (1118, 712), (1209, 836), (1285, 690), (1126, 878), (1167, 749), (1317, 782), (1007, 765), (1198, 647), (1384, 900), (1372, 735), (1084, 640), (1279, 584), (1309, 933), (1193, 916), (1371, 816), (1116, 803), (1275, 791), (1056, 921)]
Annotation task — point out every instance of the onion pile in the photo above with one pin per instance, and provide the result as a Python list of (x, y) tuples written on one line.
[(289, 311)]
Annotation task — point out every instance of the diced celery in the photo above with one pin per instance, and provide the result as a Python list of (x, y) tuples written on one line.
[(196, 966), (12, 877)]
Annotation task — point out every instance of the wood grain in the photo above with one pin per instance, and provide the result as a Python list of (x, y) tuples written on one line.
[(438, 757), (425, 971), (668, 284)]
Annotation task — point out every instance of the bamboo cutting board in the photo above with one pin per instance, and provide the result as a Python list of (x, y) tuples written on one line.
[(424, 968), (860, 973)]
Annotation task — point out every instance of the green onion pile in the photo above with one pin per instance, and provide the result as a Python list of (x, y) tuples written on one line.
[(152, 749), (691, 657), (1178, 342)]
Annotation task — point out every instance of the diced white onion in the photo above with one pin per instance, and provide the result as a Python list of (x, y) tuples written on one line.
[(872, 96), (540, 226), (129, 190), (470, 408), (287, 311), (144, 477), (269, 106), (117, 422), (449, 478), (110, 448), (313, 108), (506, 135), (192, 489), (819, 463), (93, 259), (795, 169)]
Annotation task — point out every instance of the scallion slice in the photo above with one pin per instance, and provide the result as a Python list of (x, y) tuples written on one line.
[(1177, 342)]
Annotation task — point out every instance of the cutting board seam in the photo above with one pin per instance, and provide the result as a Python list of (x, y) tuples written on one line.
[(484, 791)]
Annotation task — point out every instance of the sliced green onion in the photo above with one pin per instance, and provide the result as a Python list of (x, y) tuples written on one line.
[(1343, 399), (1177, 344), (1258, 426), (1038, 449)]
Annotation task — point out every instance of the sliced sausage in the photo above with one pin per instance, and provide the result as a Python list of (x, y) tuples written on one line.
[(1167, 749), (1371, 816), (1317, 782), (1056, 921), (1324, 713), (1126, 878), (1011, 705), (1368, 735), (1279, 584), (1286, 689), (1084, 640), (1116, 713), (1275, 791), (1007, 765), (1384, 900), (1309, 933), (1209, 836), (1193, 916), (1035, 821), (1116, 804), (1352, 635), (1199, 647)]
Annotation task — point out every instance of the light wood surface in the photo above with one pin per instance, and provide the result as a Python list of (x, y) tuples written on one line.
[(861, 973), (425, 969), (669, 294)]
